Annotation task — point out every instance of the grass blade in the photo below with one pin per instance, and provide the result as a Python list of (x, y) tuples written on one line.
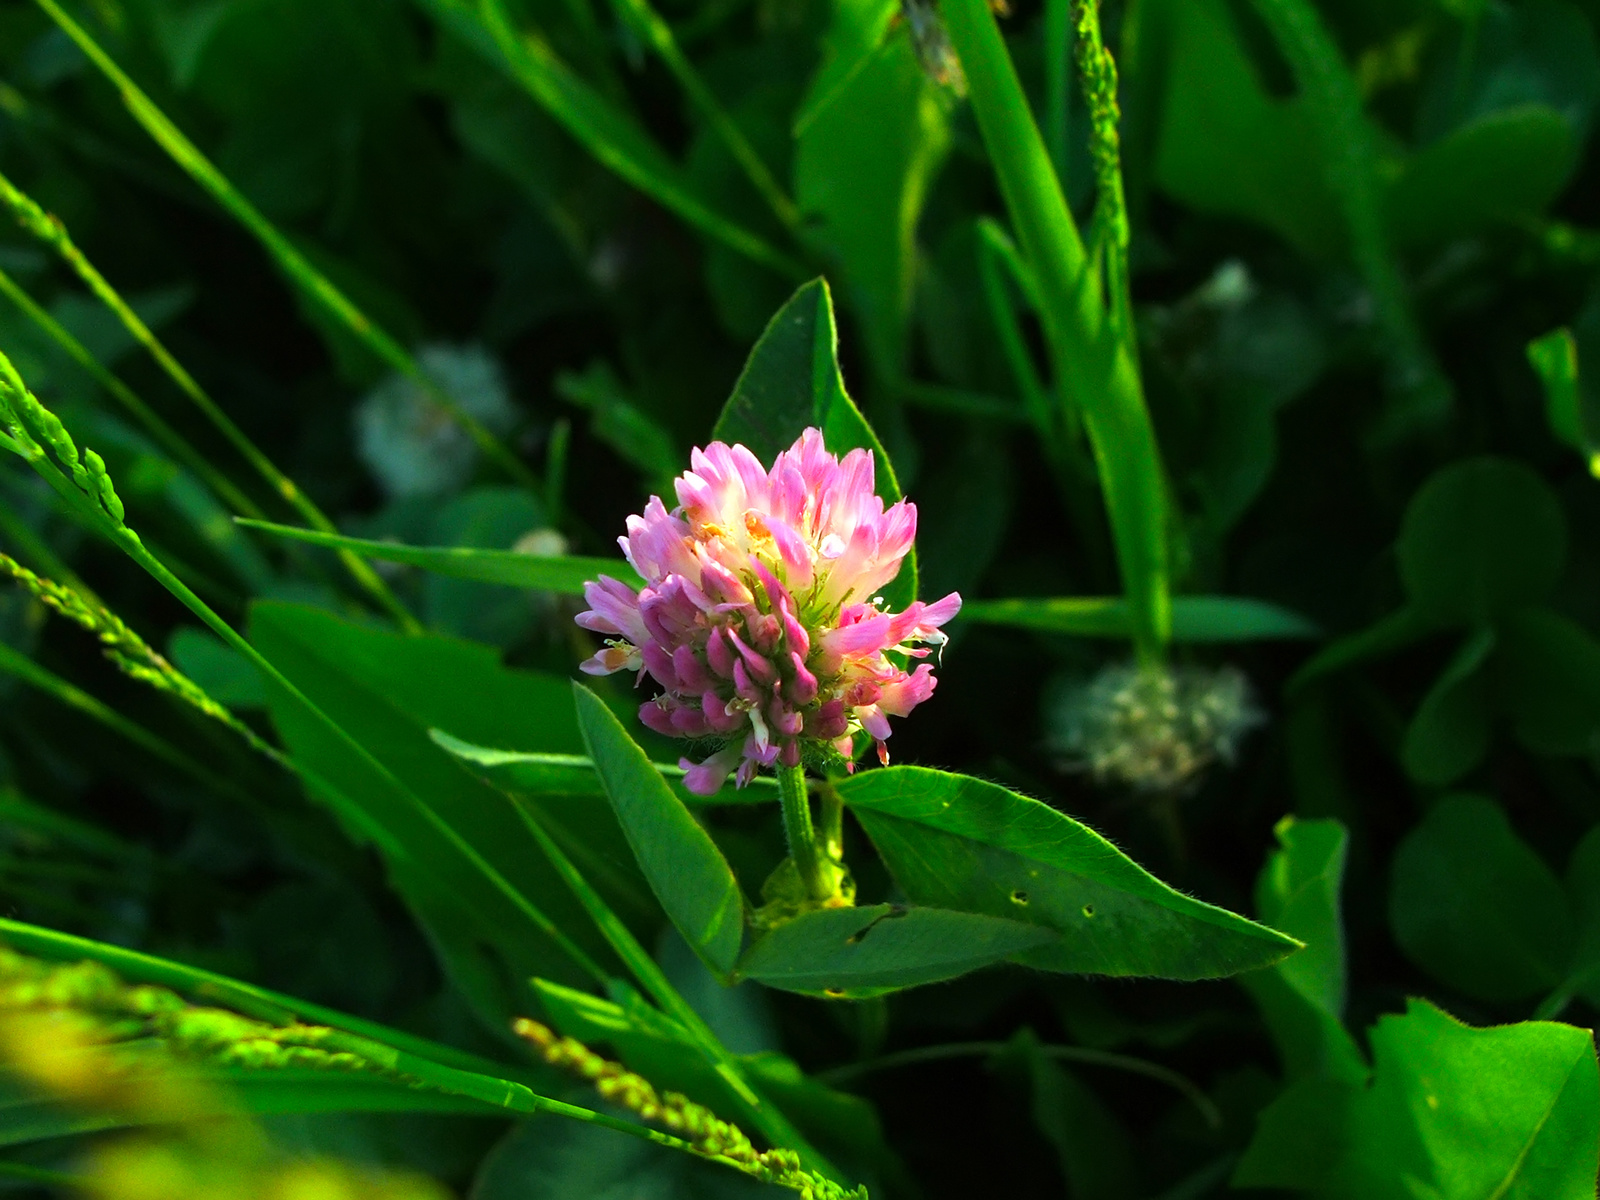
[(563, 575)]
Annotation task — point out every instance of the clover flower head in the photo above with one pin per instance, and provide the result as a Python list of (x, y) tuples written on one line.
[(760, 615), (1154, 729)]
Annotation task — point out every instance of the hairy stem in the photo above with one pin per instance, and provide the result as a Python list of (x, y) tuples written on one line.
[(801, 835)]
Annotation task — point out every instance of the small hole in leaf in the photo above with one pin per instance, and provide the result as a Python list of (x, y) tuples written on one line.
[(836, 993), (1088, 910), (1019, 897)]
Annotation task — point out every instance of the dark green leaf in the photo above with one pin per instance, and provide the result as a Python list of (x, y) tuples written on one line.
[(1094, 1148), (1194, 618), (960, 843), (1450, 733), (1476, 907), (1567, 409), (1482, 537), (565, 576), (1505, 166), (1583, 888), (881, 948), (1548, 671), (690, 877), (791, 381), (1227, 146)]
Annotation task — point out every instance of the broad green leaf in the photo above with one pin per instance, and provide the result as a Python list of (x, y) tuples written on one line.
[(1303, 996), (387, 691), (565, 575), (1503, 167), (791, 381), (482, 518), (1227, 146), (545, 1157), (1194, 618), (1547, 672), (1453, 1113), (1481, 537), (1472, 904), (882, 948), (861, 184), (690, 877), (956, 842), (1449, 736), (1567, 410)]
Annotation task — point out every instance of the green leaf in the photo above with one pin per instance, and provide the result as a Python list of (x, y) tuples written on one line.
[(1482, 537), (1453, 1113), (1449, 736), (861, 184), (1227, 146), (690, 877), (1503, 167), (530, 773), (856, 33), (882, 948), (1303, 996), (1194, 618), (387, 691), (1472, 904), (956, 842), (791, 381), (565, 576)]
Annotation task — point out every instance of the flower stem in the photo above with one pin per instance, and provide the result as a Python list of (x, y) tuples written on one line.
[(802, 835)]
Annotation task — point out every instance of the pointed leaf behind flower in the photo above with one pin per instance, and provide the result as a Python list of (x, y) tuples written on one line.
[(791, 381), (858, 952), (685, 869), (961, 843)]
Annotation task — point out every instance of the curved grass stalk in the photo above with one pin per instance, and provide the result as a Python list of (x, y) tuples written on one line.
[(1350, 161), (1080, 1054), (310, 281), (81, 480), (170, 439), (53, 233), (1091, 350)]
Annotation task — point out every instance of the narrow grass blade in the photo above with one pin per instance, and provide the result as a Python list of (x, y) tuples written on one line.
[(1194, 618), (564, 575)]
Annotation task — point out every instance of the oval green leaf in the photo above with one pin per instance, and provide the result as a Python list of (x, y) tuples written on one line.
[(956, 842)]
